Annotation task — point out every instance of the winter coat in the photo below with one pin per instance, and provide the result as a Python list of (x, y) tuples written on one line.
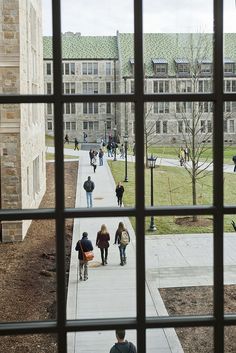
[(89, 185), (123, 347), (86, 246), (102, 240), (119, 191)]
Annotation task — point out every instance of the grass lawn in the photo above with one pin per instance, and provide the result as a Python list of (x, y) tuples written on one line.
[(172, 186), (172, 152)]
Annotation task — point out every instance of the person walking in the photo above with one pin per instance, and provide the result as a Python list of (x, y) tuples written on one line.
[(66, 139), (122, 151), (186, 154), (89, 187), (122, 238), (181, 156), (91, 156), (234, 160), (119, 193), (102, 241), (100, 155), (94, 161), (76, 144), (85, 137), (83, 245), (122, 345)]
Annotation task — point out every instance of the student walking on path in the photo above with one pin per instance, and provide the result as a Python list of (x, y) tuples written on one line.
[(89, 187), (102, 241), (122, 345), (100, 155), (94, 161), (122, 238), (76, 144), (119, 193), (82, 246), (234, 160)]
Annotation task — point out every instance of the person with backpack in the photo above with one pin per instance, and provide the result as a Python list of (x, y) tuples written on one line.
[(234, 160), (122, 345), (102, 241), (122, 238), (100, 155), (89, 187), (82, 246)]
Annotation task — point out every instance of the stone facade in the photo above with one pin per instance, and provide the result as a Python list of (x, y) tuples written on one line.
[(22, 127)]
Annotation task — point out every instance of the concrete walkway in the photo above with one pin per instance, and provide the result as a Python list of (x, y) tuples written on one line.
[(176, 261), (110, 290)]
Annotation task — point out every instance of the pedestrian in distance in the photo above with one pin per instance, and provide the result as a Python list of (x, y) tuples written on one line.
[(109, 149), (94, 161), (122, 345), (66, 139), (186, 154), (85, 137), (76, 144), (100, 155), (122, 238), (181, 156), (122, 151), (119, 193), (89, 187), (91, 156), (102, 241), (83, 245), (234, 160)]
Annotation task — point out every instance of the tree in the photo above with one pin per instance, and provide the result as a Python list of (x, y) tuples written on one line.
[(195, 118)]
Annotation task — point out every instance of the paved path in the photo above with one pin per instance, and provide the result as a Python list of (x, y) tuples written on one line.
[(176, 261)]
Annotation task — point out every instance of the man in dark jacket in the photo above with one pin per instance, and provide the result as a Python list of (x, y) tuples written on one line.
[(89, 187), (234, 160), (83, 245), (122, 346)]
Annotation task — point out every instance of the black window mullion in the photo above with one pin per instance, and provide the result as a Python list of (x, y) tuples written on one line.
[(59, 176), (218, 200), (139, 176)]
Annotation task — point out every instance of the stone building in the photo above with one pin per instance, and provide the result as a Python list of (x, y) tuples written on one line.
[(174, 63), (22, 126)]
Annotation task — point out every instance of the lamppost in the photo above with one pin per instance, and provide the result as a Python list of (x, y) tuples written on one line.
[(114, 141), (126, 145), (151, 165), (105, 128)]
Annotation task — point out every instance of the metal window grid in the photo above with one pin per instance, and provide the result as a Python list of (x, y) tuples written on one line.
[(140, 323)]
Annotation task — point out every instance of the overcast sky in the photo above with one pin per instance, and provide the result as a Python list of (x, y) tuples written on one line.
[(105, 17)]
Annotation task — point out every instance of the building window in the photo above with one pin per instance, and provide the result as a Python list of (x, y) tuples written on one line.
[(108, 124), (231, 126), (49, 88), (49, 108), (229, 67), (205, 68), (183, 86), (90, 87), (182, 67), (90, 68), (161, 107), (108, 108), (230, 86), (180, 127), (50, 127), (227, 107), (203, 126), (158, 127), (160, 67), (108, 69), (183, 107), (48, 69), (36, 183), (68, 68), (108, 87), (204, 86), (164, 127), (69, 87), (160, 86), (209, 126), (69, 108), (90, 108), (73, 125), (91, 125)]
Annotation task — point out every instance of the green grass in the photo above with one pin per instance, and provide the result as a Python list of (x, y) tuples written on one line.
[(172, 152), (49, 140), (172, 187)]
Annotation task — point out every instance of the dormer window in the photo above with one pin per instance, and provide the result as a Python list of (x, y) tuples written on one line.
[(160, 67), (205, 67), (131, 62), (182, 67), (229, 67)]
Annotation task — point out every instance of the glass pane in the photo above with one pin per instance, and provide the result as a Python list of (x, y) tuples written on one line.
[(97, 21), (29, 343), (28, 274), (23, 160), (113, 262), (178, 150), (230, 343), (186, 340), (99, 341), (179, 273)]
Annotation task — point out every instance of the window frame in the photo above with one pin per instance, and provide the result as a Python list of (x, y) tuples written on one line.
[(217, 210)]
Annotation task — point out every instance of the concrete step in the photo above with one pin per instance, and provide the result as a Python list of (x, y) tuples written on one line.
[(89, 146)]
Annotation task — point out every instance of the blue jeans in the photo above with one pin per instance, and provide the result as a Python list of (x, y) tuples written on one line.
[(122, 253), (100, 160), (89, 198)]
